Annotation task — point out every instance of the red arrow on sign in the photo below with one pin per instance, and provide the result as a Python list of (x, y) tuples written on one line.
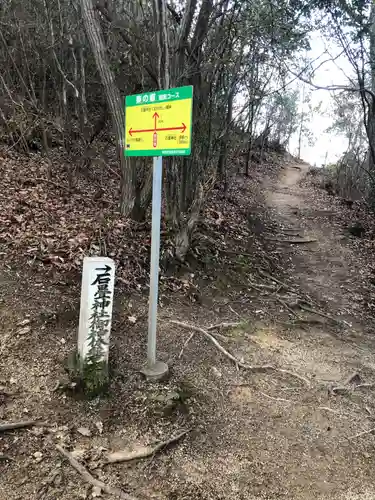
[(182, 128), (155, 116)]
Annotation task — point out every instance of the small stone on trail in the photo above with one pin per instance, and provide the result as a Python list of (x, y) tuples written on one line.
[(96, 492), (84, 431), (132, 319), (99, 426), (38, 456)]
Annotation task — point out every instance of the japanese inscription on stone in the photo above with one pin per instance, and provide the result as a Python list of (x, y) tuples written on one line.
[(96, 309)]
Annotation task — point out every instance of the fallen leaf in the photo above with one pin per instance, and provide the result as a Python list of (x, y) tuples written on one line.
[(78, 453), (24, 330), (99, 426), (84, 431), (96, 492), (217, 372)]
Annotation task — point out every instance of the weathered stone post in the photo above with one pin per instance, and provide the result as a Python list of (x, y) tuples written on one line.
[(98, 279)]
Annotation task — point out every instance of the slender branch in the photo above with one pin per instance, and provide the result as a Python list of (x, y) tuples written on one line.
[(252, 368), (91, 479), (144, 452), (122, 30), (333, 87), (16, 425)]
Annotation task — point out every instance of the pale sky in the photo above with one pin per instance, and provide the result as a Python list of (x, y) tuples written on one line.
[(330, 73)]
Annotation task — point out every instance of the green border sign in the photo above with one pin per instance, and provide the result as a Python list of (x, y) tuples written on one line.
[(159, 123)]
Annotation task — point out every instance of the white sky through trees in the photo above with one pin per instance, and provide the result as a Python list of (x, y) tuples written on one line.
[(328, 145)]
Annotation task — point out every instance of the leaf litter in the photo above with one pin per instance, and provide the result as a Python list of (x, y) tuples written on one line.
[(223, 409)]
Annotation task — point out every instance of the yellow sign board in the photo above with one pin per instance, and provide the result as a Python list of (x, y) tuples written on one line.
[(159, 123)]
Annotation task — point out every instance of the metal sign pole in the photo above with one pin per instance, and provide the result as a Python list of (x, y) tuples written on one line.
[(155, 369), (165, 130)]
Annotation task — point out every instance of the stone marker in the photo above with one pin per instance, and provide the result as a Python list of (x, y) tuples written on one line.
[(98, 279)]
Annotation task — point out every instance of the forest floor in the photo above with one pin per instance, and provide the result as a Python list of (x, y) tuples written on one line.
[(282, 266)]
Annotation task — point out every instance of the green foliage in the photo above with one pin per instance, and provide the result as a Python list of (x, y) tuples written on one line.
[(348, 121), (92, 378)]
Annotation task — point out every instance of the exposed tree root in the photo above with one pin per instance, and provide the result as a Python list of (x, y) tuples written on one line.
[(296, 241), (276, 399), (223, 325), (116, 492), (363, 386), (144, 452), (233, 311), (16, 425), (360, 434), (185, 344), (257, 286), (284, 304), (320, 313), (276, 280), (238, 363)]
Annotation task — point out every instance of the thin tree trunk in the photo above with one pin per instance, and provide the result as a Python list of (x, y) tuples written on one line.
[(75, 76), (302, 121), (83, 114), (95, 37), (222, 164), (43, 125), (250, 144), (370, 129)]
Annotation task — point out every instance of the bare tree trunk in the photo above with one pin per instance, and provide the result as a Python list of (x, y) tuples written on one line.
[(43, 125), (222, 164), (95, 37), (250, 144), (370, 129), (75, 76), (83, 113), (142, 189), (302, 122)]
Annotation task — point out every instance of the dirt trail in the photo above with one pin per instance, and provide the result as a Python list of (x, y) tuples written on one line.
[(255, 436), (324, 270), (324, 267)]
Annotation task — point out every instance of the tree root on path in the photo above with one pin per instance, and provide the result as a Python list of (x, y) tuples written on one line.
[(238, 363), (319, 313), (116, 492), (258, 286), (284, 304), (144, 452), (16, 425), (296, 241), (363, 386), (304, 297), (185, 344), (302, 303), (223, 325), (364, 433), (276, 280), (276, 399)]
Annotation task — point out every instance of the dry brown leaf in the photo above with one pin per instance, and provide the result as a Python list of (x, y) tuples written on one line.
[(84, 431)]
